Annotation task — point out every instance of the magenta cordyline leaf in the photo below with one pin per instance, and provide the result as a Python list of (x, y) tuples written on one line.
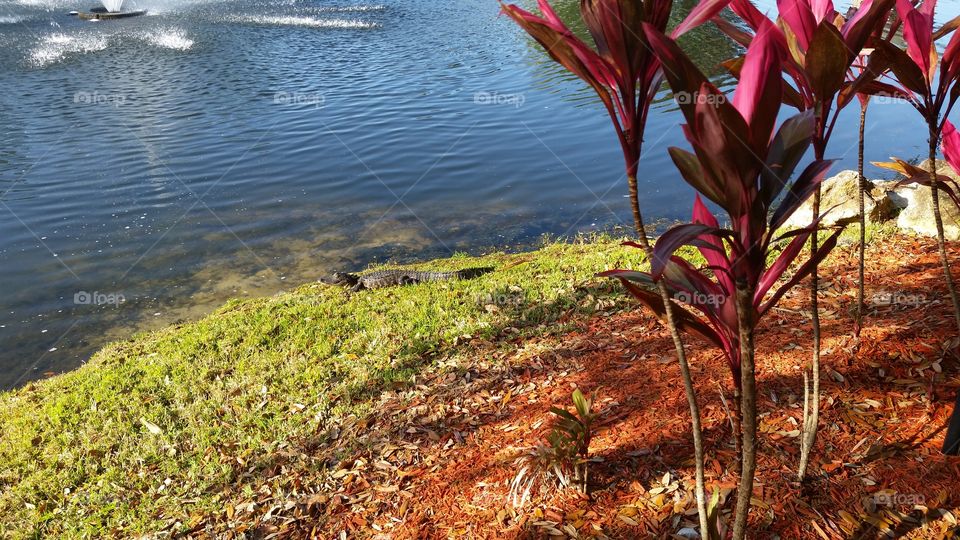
[(825, 248), (950, 144), (776, 270), (915, 71), (789, 254), (800, 18), (721, 139), (918, 33), (715, 255), (822, 9), (759, 77), (675, 238), (695, 289), (701, 13), (858, 16), (949, 64)]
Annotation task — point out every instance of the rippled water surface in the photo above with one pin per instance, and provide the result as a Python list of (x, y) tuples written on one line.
[(152, 167)]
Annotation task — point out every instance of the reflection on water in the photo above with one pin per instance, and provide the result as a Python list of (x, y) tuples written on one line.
[(214, 149)]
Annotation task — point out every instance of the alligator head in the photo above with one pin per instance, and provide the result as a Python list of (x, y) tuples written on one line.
[(340, 278)]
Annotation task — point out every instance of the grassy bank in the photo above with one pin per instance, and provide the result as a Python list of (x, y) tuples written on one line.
[(158, 431)]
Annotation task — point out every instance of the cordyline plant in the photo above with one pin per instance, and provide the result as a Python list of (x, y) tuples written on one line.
[(932, 96), (626, 75), (822, 46), (741, 164)]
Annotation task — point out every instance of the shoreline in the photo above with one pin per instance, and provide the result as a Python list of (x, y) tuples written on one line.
[(192, 403), (169, 432)]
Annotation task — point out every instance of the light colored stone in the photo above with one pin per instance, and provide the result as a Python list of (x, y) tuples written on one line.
[(917, 216), (841, 194), (888, 188)]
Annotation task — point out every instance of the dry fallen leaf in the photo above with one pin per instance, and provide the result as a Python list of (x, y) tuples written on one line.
[(151, 427)]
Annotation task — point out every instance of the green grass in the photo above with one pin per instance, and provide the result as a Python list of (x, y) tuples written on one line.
[(150, 431)]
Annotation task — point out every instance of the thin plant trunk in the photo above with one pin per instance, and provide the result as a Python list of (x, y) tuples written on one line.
[(938, 218), (696, 426), (635, 208), (811, 416), (858, 323), (748, 403), (738, 420)]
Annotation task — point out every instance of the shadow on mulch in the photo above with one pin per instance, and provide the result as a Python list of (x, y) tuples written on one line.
[(436, 461)]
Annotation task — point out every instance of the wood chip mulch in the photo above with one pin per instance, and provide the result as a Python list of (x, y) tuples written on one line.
[(437, 457)]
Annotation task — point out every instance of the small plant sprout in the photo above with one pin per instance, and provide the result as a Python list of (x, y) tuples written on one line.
[(563, 456)]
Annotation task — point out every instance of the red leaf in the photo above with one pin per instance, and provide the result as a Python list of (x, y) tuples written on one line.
[(918, 33), (951, 145)]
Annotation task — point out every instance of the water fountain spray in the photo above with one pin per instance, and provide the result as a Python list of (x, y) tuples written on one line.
[(113, 6)]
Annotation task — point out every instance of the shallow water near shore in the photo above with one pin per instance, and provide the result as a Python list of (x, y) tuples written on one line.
[(152, 168)]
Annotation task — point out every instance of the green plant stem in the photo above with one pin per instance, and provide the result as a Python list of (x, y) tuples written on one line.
[(858, 324), (748, 403), (696, 425), (938, 219)]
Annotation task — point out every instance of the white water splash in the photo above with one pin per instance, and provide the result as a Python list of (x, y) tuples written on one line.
[(169, 39), (310, 22), (10, 20), (348, 9), (54, 47)]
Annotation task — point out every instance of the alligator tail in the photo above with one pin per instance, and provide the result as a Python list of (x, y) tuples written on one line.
[(470, 273), (466, 273)]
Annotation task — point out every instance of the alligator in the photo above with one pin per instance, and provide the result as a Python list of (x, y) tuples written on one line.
[(390, 278)]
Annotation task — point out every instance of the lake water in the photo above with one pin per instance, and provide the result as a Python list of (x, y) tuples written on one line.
[(151, 168)]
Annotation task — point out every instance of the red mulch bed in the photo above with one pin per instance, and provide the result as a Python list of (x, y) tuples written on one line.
[(437, 459)]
